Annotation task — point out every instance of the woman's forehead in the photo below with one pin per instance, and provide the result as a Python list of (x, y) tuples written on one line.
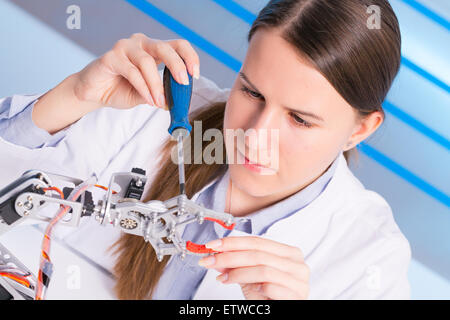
[(280, 73)]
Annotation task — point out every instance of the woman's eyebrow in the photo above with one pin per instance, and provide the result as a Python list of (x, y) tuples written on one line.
[(305, 113), (245, 78)]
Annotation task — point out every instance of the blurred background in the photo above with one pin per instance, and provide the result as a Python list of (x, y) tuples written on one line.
[(407, 160)]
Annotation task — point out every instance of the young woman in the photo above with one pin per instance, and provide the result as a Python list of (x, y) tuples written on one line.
[(317, 74)]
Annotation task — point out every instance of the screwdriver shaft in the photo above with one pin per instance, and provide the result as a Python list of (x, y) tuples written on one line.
[(181, 163)]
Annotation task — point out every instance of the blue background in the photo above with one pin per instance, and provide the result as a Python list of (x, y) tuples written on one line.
[(407, 160)]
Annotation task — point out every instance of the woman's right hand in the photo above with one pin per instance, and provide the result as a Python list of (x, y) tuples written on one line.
[(127, 75)]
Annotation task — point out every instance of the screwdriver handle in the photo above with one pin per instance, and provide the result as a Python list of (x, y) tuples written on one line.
[(178, 98)]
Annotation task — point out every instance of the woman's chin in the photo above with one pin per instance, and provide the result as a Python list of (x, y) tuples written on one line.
[(251, 181)]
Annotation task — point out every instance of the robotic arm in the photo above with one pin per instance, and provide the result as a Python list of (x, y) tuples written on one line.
[(154, 220), (158, 222)]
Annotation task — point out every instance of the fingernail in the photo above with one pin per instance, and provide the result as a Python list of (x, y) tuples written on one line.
[(208, 261), (183, 77), (196, 71), (161, 100), (214, 244), (223, 277)]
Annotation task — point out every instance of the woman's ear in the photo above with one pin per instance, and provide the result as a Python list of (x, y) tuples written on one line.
[(364, 128)]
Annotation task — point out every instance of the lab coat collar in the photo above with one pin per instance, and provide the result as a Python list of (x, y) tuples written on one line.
[(298, 230)]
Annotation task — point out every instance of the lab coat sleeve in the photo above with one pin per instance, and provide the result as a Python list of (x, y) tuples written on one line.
[(378, 262), (385, 276)]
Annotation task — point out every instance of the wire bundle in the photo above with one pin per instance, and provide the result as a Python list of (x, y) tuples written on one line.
[(13, 273), (45, 265)]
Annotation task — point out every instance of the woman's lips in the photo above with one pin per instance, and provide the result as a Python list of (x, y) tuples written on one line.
[(256, 167), (253, 166)]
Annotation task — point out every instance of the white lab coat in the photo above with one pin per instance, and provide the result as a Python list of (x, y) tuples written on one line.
[(348, 236)]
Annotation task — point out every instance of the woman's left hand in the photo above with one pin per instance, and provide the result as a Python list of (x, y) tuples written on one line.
[(265, 269)]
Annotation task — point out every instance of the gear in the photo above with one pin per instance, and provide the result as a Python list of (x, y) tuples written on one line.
[(128, 223)]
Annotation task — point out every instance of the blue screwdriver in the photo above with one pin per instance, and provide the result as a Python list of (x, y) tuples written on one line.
[(178, 99)]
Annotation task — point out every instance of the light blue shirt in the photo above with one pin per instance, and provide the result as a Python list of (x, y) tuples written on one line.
[(181, 278), (17, 126)]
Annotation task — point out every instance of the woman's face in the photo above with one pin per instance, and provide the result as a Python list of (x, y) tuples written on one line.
[(278, 92)]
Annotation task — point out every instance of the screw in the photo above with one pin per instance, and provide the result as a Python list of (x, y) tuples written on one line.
[(28, 205)]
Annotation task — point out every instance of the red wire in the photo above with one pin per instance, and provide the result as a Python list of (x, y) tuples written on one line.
[(16, 278)]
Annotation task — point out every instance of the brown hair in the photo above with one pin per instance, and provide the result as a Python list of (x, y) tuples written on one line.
[(359, 62)]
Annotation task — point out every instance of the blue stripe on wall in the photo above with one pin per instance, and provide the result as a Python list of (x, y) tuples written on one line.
[(235, 65), (406, 118), (237, 10), (186, 33), (441, 84), (428, 13), (404, 173)]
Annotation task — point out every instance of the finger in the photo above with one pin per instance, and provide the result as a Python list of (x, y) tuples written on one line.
[(276, 292), (256, 243), (263, 274), (188, 54), (123, 66), (252, 291), (165, 53), (149, 70), (222, 270), (247, 258)]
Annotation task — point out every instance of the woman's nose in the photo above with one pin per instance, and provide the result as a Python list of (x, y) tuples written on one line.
[(264, 125)]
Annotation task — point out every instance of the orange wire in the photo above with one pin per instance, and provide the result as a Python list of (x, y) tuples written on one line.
[(104, 188), (55, 189), (62, 194), (16, 278)]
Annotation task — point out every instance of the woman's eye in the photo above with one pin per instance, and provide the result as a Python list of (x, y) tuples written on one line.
[(253, 94), (299, 121)]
